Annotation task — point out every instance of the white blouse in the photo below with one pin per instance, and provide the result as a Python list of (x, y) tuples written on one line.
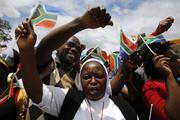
[(53, 98)]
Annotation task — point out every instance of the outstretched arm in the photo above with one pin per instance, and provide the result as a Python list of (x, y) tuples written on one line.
[(93, 18), (26, 39), (163, 26)]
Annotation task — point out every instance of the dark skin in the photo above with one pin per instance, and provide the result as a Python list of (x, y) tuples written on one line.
[(27, 40), (3, 77), (93, 79), (128, 71), (164, 25), (69, 54), (70, 51), (93, 18), (51, 41), (69, 57), (128, 66), (170, 70), (125, 75)]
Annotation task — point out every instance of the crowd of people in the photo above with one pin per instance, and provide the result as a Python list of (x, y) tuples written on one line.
[(34, 85)]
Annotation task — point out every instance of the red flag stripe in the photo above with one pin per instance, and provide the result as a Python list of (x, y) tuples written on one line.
[(128, 42)]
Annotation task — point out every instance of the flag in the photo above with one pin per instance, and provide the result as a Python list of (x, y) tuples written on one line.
[(126, 46), (176, 47), (45, 16), (114, 62), (100, 54), (152, 39), (176, 41)]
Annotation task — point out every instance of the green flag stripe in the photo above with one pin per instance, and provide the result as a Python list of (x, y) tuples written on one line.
[(150, 40), (153, 39), (39, 19), (43, 16), (125, 47)]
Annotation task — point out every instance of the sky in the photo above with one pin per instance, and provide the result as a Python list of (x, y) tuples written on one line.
[(133, 16)]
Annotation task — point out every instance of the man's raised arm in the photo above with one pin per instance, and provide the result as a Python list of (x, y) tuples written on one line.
[(93, 18)]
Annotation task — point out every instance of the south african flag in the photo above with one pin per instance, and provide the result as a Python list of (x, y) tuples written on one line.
[(45, 16)]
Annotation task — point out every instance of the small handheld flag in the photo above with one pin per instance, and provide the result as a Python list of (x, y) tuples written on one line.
[(127, 47), (88, 55), (114, 62), (147, 45), (99, 54), (45, 16), (152, 39)]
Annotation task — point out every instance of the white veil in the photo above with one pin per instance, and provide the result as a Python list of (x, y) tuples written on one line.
[(108, 82)]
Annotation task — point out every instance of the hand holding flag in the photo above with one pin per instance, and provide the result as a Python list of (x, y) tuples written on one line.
[(26, 37), (42, 15)]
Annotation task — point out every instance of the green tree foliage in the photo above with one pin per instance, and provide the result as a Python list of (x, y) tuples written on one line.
[(4, 30)]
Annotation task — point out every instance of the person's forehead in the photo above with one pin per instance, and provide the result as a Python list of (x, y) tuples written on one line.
[(74, 40), (75, 44), (93, 64)]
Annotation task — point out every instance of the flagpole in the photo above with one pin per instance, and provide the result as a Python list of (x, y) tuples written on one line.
[(150, 113), (147, 45)]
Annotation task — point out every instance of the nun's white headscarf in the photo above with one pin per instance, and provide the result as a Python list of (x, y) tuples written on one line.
[(78, 78)]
